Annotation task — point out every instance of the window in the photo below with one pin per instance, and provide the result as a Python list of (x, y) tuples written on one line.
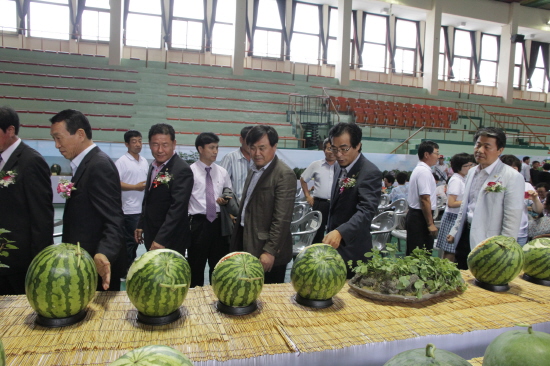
[(538, 79), (96, 21), (489, 60), (143, 25), (41, 14), (304, 46), (443, 62), (332, 52), (268, 38), (518, 65), (8, 16), (462, 64), (187, 25), (405, 46), (374, 48), (223, 32)]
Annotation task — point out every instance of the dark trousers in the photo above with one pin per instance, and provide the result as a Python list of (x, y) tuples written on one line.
[(276, 275), (130, 225), (207, 244), (463, 248), (418, 235), (323, 206), (13, 284)]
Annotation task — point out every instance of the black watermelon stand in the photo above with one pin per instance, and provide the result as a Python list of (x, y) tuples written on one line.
[(489, 287), (60, 322), (158, 320), (317, 304), (236, 310), (536, 281)]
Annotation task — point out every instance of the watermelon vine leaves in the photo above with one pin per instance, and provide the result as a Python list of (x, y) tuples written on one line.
[(5, 244)]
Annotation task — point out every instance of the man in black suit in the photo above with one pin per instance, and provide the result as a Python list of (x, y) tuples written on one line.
[(164, 221), (93, 214), (356, 194), (25, 205)]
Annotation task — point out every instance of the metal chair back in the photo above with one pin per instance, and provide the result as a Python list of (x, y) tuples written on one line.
[(300, 210), (303, 230), (383, 224)]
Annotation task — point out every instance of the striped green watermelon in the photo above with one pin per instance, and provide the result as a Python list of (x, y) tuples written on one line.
[(537, 258), (61, 280), (2, 354), (318, 272), (158, 282), (153, 356), (519, 347), (496, 260), (238, 279), (427, 356)]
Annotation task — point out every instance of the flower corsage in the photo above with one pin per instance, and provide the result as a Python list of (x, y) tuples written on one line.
[(65, 188), (346, 183), (7, 178), (162, 178), (494, 187)]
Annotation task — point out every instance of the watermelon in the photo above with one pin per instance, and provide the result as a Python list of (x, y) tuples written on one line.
[(158, 282), (427, 356), (2, 354), (61, 281), (496, 260), (519, 347), (237, 279), (318, 272), (153, 356), (537, 258)]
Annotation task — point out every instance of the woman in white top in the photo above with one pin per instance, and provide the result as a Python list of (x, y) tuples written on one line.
[(460, 163)]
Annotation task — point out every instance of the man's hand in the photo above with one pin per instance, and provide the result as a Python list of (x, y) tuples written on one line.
[(140, 186), (267, 261), (222, 201), (433, 230), (156, 245), (450, 239), (103, 269), (310, 200), (333, 239), (138, 236)]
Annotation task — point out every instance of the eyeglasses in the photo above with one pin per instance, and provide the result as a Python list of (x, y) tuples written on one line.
[(342, 150)]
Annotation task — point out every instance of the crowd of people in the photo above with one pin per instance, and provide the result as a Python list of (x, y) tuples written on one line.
[(207, 210)]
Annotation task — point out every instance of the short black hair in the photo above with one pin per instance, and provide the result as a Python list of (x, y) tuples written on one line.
[(9, 117), (163, 129), (205, 138), (525, 158), (74, 121), (511, 160), (458, 160), (426, 146), (543, 185), (244, 131), (536, 162), (325, 143), (493, 132), (401, 178), (390, 178), (129, 134), (257, 132), (546, 166), (354, 131)]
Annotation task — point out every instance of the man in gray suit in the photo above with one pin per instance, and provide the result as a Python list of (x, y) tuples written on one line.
[(263, 223), (493, 197)]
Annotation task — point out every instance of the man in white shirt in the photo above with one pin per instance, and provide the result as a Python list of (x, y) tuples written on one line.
[(237, 164), (207, 242), (322, 173), (441, 169), (526, 169), (422, 199), (132, 169)]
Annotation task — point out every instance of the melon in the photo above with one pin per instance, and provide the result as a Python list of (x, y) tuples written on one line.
[(237, 279), (318, 272), (427, 356), (496, 260), (519, 347), (153, 356), (2, 354), (158, 282), (61, 281), (537, 258)]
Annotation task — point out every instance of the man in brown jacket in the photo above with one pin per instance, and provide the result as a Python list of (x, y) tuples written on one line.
[(263, 223)]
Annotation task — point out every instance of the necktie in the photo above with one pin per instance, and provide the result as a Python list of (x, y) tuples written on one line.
[(210, 197)]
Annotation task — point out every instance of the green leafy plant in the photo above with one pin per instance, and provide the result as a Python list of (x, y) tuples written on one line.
[(414, 275), (5, 244), (189, 158), (298, 172)]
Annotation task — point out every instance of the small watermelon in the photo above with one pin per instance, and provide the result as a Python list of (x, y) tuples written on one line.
[(61, 281), (537, 258), (237, 279), (427, 356), (318, 272), (2, 354), (153, 356), (158, 282), (519, 347), (496, 260)]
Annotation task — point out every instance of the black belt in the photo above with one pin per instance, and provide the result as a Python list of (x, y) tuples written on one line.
[(321, 199), (201, 216)]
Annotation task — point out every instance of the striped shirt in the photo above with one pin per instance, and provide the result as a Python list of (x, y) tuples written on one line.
[(237, 166)]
